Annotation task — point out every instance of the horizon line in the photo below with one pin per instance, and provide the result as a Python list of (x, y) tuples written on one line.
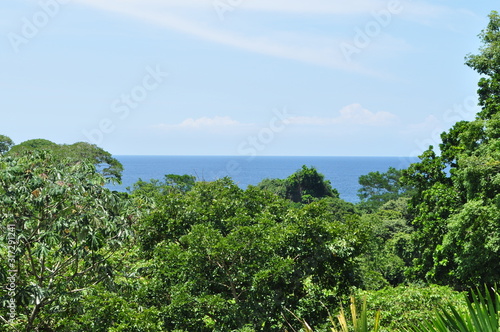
[(252, 157)]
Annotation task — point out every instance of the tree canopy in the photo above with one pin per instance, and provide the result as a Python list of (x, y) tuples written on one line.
[(379, 188), (109, 166), (456, 204), (5, 144), (222, 258), (303, 186), (67, 227)]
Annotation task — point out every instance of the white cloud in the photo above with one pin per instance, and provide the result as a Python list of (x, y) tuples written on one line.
[(203, 122), (209, 122), (353, 114)]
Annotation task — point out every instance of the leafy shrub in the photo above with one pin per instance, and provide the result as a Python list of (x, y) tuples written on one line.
[(405, 306), (482, 314)]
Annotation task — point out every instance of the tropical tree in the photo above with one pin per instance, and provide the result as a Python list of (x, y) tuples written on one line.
[(110, 167), (171, 183), (106, 164), (5, 144), (457, 238), (221, 258), (303, 186), (389, 246), (33, 144), (379, 188), (67, 229), (119, 305)]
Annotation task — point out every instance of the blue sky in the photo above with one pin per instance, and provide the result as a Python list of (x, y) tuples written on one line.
[(239, 77)]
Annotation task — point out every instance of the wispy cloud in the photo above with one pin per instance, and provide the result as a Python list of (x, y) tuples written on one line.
[(323, 51), (323, 7), (203, 123), (353, 7), (184, 16), (353, 114), (314, 6)]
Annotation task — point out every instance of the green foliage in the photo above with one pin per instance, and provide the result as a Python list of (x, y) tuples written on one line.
[(304, 186), (471, 245), (5, 144), (31, 145), (482, 314), (487, 63), (183, 183), (171, 183), (457, 237), (307, 184), (411, 308), (379, 188), (81, 151), (223, 258), (175, 212), (404, 307), (120, 304), (341, 209), (276, 186), (103, 311), (359, 322), (385, 260), (104, 161), (67, 228)]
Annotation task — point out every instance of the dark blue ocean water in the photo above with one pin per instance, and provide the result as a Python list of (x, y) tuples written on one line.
[(343, 172)]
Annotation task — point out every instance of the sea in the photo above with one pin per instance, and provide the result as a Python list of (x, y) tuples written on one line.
[(342, 172)]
